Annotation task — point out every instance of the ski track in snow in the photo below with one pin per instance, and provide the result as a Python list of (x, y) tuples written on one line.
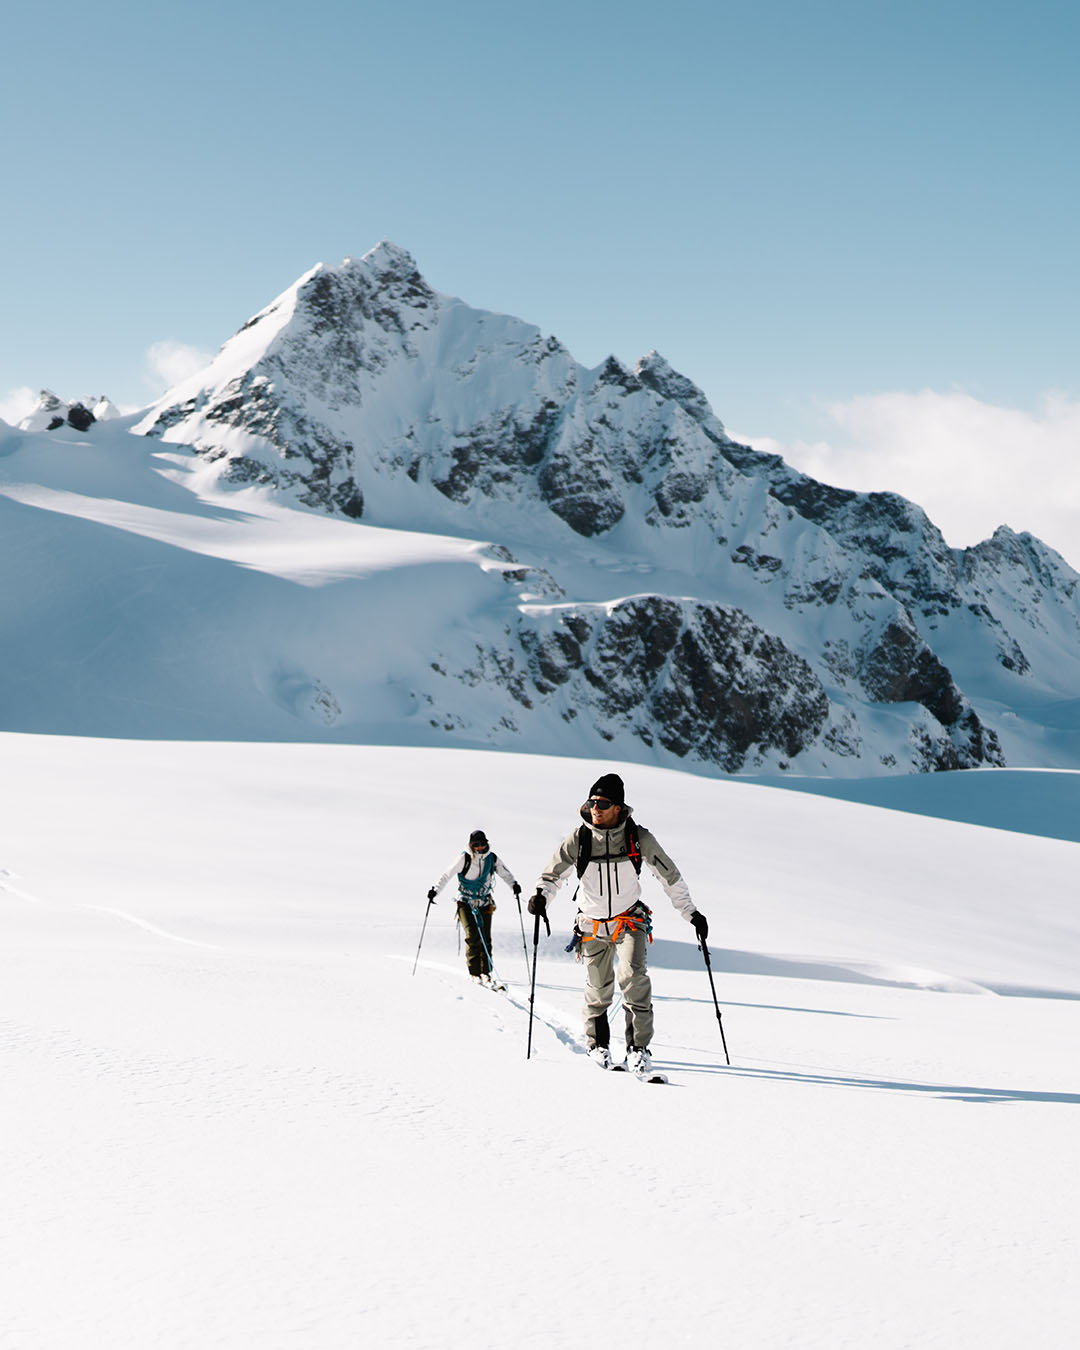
[(152, 928), (120, 914), (544, 1013)]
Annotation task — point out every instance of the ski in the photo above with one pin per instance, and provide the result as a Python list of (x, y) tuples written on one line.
[(496, 986), (649, 1077)]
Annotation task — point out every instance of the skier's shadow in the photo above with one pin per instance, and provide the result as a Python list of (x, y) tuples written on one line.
[(943, 1091), (673, 955), (772, 1007)]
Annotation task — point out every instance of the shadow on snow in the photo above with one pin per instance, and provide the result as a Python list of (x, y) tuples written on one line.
[(669, 955), (943, 1091)]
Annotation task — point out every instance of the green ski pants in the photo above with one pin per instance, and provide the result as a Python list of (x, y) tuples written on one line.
[(477, 926)]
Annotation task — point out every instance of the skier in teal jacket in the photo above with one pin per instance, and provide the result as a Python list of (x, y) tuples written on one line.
[(476, 868)]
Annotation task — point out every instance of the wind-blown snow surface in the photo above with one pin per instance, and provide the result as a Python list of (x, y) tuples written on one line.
[(234, 1117)]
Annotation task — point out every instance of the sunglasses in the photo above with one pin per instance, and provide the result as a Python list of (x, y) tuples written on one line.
[(599, 804), (479, 848)]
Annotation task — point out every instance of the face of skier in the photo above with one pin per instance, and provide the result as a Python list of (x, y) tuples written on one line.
[(604, 812)]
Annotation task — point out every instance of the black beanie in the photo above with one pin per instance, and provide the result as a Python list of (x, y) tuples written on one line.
[(477, 837), (610, 785)]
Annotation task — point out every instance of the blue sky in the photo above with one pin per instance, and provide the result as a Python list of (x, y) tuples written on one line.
[(805, 206)]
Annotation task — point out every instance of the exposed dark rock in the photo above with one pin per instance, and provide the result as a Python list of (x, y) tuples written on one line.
[(581, 491), (901, 668), (976, 743), (349, 500), (174, 415), (655, 373), (735, 688), (701, 680), (80, 417), (678, 490), (553, 658), (613, 372), (496, 453), (745, 556), (1012, 658)]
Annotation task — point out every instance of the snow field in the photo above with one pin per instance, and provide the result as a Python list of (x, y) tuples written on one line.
[(233, 1117)]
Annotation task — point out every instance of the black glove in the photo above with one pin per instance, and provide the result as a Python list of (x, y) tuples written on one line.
[(432, 894), (701, 925), (538, 905), (516, 889)]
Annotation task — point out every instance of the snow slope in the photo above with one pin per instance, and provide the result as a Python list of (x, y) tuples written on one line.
[(233, 1116), (145, 597)]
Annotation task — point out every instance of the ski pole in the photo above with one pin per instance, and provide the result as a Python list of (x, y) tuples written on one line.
[(712, 985), (422, 931), (524, 944), (532, 983)]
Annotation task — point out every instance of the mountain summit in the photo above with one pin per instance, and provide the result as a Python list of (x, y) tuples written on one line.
[(648, 586)]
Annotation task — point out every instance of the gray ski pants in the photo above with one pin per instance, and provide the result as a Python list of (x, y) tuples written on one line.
[(625, 959)]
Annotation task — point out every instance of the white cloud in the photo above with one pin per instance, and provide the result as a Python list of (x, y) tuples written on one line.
[(971, 466), (170, 362), (16, 404)]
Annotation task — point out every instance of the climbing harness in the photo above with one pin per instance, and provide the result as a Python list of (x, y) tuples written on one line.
[(636, 920)]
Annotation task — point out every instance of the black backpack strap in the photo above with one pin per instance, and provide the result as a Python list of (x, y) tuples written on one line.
[(584, 850), (633, 844), (633, 847)]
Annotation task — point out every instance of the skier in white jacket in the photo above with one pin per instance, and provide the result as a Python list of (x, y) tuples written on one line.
[(476, 868), (613, 921)]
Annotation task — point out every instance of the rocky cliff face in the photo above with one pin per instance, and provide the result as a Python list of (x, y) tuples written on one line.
[(784, 622)]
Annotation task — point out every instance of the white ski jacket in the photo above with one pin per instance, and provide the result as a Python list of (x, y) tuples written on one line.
[(610, 884)]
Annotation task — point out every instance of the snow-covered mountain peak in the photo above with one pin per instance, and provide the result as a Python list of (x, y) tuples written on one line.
[(387, 260), (656, 372), (372, 291), (656, 587)]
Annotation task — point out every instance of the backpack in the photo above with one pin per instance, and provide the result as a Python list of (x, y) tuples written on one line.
[(480, 888), (633, 847)]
